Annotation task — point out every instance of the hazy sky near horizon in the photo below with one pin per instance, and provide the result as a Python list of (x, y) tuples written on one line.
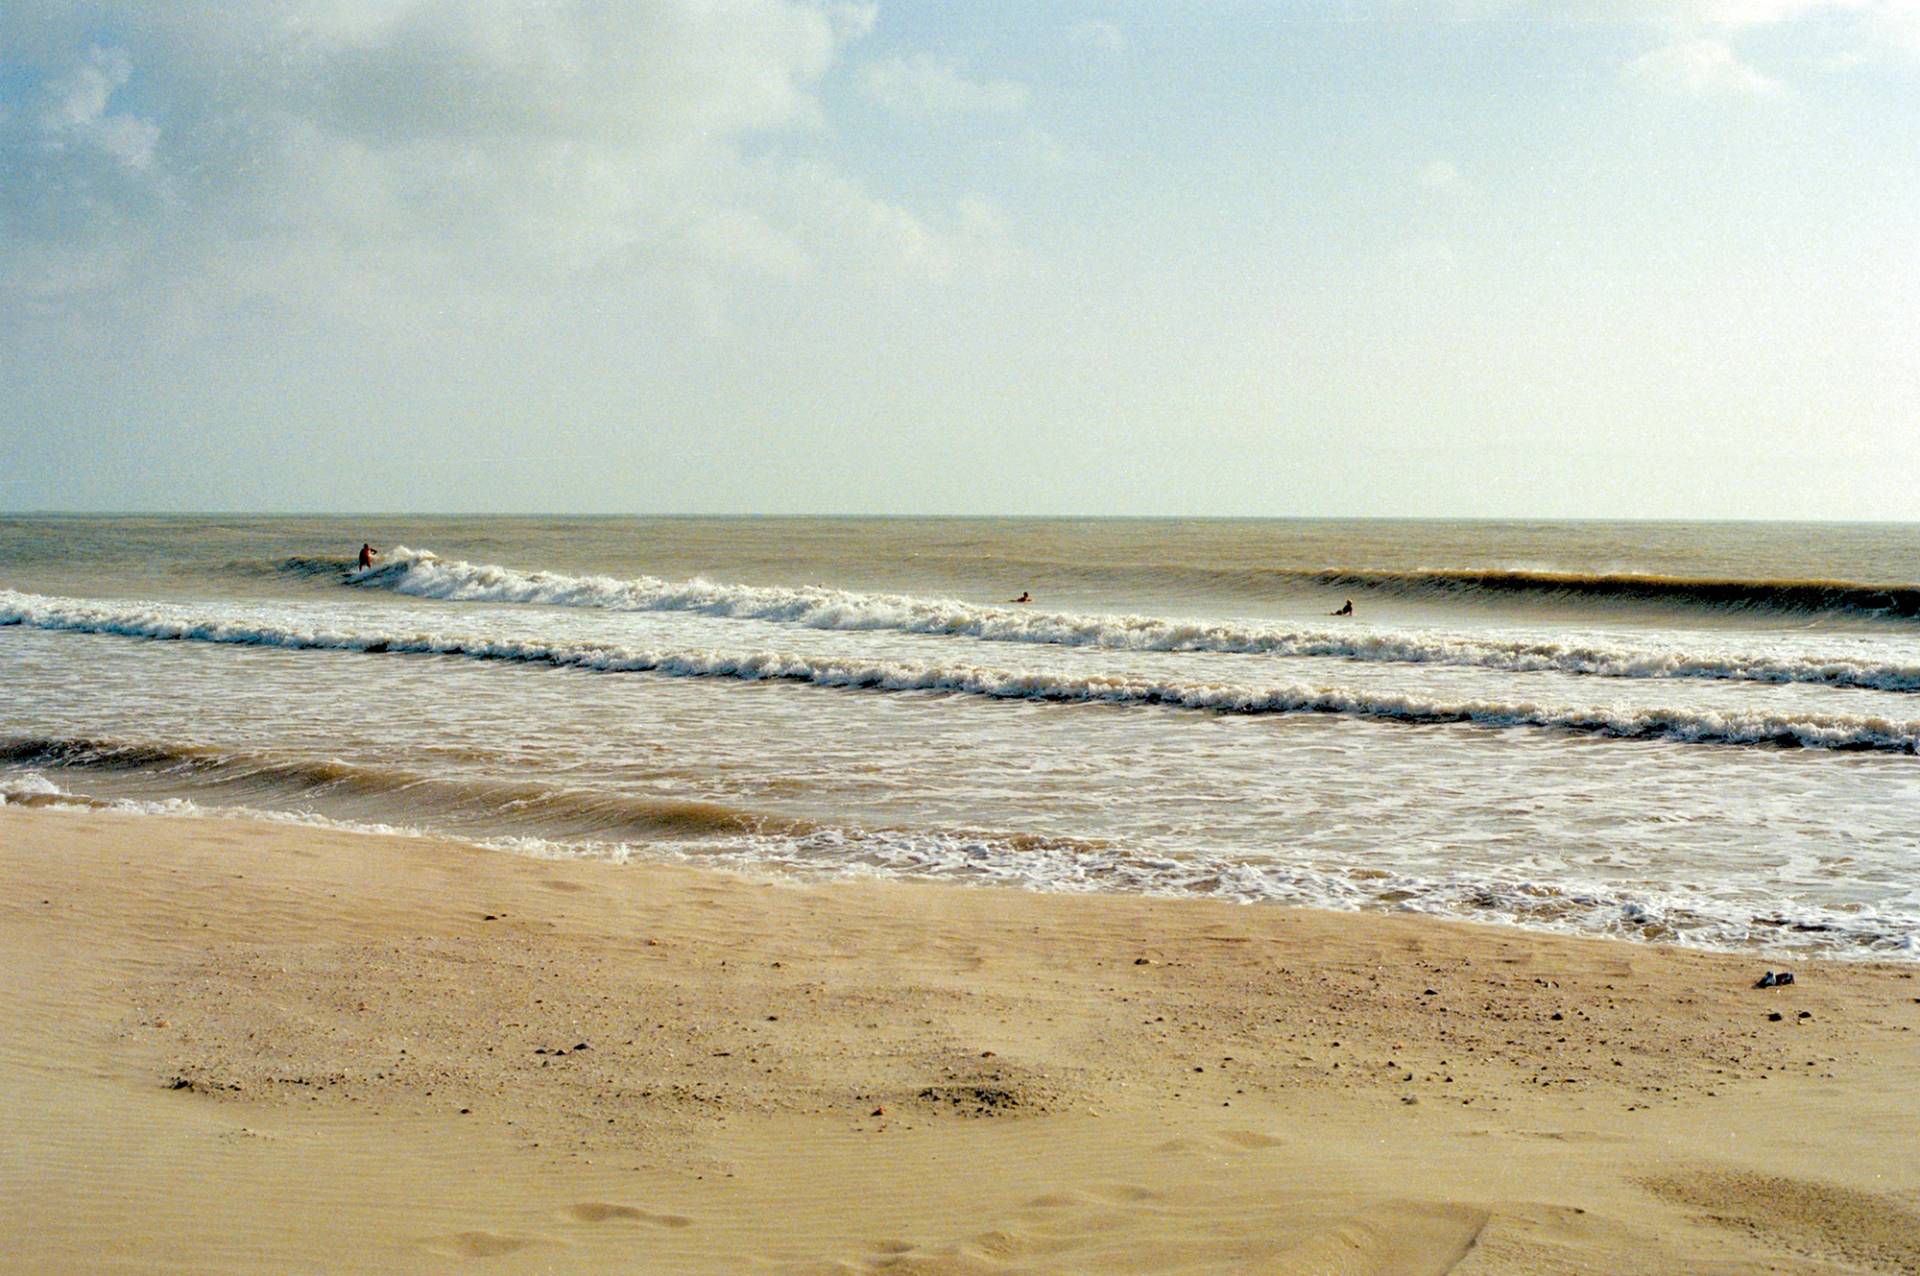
[(1474, 258)]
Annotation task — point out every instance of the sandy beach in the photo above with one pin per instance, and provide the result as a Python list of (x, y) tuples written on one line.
[(241, 1046)]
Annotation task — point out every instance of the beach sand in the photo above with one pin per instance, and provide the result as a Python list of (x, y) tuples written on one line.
[(254, 1047)]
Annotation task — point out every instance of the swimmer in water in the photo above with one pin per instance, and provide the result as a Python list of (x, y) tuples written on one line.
[(366, 555), (1026, 596), (1345, 610)]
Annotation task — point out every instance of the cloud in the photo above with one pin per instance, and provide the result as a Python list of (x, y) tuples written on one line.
[(1699, 68), (79, 110), (1102, 37), (1751, 13), (1044, 150), (427, 161), (932, 89), (851, 21), (1439, 175), (1873, 28)]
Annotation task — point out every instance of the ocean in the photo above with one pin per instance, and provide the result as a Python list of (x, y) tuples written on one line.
[(1691, 733)]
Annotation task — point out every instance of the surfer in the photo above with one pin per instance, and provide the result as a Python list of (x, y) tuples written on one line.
[(1346, 609), (366, 555), (1026, 596)]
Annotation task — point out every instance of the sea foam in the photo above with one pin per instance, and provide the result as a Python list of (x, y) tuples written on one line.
[(171, 622), (423, 574)]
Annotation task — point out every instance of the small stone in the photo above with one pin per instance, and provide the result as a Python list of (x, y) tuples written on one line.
[(878, 1112), (583, 1046), (1775, 1017), (1557, 1016), (1148, 961), (1806, 1014)]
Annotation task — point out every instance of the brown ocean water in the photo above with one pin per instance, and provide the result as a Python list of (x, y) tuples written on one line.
[(1694, 732)]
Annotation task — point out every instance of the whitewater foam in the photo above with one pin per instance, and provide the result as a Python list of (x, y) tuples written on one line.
[(168, 622), (28, 786), (1069, 866), (422, 574)]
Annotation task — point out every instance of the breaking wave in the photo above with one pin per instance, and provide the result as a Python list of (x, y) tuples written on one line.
[(422, 574), (1846, 597), (1792, 730)]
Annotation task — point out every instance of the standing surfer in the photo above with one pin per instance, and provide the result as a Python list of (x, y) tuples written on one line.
[(366, 555)]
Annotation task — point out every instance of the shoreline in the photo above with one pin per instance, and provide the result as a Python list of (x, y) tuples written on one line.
[(233, 1042), (825, 875)]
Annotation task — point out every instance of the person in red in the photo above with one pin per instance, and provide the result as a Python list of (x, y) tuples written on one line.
[(366, 555)]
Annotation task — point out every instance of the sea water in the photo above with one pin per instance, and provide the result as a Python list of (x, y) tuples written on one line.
[(1695, 733)]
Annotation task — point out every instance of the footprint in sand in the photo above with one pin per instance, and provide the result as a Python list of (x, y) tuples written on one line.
[(477, 1244), (607, 1212), (1388, 1240), (1058, 1201), (1249, 1139), (1802, 1216)]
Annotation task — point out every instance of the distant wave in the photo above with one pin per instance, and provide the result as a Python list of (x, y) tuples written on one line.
[(300, 565), (445, 578), (1900, 602), (422, 574), (1819, 731)]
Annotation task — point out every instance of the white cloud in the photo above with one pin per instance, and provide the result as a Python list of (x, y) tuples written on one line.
[(1736, 14), (851, 21), (1102, 37), (1751, 13), (1439, 175), (1042, 149), (79, 110), (1873, 28), (1699, 68), (421, 159), (856, 233), (933, 89), (1870, 25)]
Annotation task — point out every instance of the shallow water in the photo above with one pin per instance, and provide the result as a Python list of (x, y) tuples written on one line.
[(1703, 733)]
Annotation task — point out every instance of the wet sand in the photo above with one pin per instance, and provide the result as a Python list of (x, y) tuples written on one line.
[(237, 1046)]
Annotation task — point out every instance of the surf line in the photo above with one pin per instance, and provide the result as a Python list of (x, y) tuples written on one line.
[(422, 574), (1816, 731)]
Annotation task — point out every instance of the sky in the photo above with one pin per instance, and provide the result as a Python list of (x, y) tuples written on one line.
[(1466, 258)]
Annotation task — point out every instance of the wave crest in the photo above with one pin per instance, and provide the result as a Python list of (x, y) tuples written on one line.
[(1793, 730), (425, 575)]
